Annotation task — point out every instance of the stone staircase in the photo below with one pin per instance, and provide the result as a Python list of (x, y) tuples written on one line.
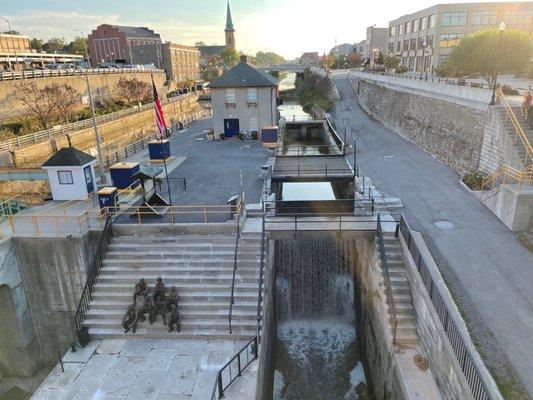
[(510, 131), (200, 266), (406, 331)]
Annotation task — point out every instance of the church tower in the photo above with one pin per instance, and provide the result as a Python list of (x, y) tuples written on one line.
[(230, 32)]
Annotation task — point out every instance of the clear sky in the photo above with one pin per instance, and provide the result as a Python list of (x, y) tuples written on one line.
[(288, 27)]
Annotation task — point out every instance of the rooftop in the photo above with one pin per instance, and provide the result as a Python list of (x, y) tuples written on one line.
[(68, 157), (243, 75)]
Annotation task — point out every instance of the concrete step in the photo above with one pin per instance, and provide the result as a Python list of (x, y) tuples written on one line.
[(182, 287), (178, 271), (197, 334), (207, 324), (222, 295), (185, 314), (406, 339), (169, 255), (193, 264), (188, 305), (184, 247), (196, 239), (179, 280)]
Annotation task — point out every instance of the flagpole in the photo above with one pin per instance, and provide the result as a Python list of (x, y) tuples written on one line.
[(164, 158)]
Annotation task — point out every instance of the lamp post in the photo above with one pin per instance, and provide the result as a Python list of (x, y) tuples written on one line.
[(424, 43), (493, 100), (12, 43), (346, 124), (95, 125)]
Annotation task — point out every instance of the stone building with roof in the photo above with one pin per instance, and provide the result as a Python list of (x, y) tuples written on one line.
[(244, 99)]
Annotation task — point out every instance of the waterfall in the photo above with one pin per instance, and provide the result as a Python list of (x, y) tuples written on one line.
[(317, 351)]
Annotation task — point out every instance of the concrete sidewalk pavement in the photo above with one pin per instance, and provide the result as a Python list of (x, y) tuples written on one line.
[(486, 267)]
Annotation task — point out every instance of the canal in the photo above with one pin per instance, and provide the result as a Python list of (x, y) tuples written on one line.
[(290, 108)]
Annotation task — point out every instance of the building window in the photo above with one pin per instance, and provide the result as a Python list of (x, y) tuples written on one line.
[(427, 62), (429, 41), (413, 44), (254, 124), (406, 45), (442, 58), (411, 63), (432, 19), (485, 18), (419, 60), (391, 47), (251, 95), (519, 17), (400, 30), (392, 31), (408, 27), (451, 39), (399, 46), (415, 25), (454, 18), (421, 43), (230, 96), (65, 177), (423, 23)]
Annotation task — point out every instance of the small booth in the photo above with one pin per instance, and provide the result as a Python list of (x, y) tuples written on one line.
[(108, 198), (122, 174), (159, 150), (71, 174), (269, 135)]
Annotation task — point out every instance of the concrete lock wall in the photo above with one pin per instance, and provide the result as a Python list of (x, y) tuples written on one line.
[(103, 87), (19, 348), (115, 134), (54, 272), (452, 131)]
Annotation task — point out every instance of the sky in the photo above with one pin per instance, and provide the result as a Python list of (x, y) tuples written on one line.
[(287, 27)]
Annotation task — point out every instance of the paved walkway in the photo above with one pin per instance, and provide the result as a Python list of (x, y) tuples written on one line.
[(490, 272)]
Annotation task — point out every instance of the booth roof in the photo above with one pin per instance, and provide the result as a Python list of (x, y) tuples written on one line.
[(68, 157)]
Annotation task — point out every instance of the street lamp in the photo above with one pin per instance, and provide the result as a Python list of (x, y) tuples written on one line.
[(95, 126), (12, 43), (493, 100), (424, 43)]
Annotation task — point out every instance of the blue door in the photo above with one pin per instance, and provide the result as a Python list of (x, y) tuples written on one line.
[(89, 179), (231, 127)]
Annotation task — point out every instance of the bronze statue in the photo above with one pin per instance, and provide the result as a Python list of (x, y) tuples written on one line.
[(159, 308), (147, 308), (141, 289), (130, 319), (159, 290), (173, 298), (174, 319)]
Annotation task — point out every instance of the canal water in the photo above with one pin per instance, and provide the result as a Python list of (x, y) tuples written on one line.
[(290, 109), (317, 354)]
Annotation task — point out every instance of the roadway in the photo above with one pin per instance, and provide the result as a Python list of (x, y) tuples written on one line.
[(489, 272)]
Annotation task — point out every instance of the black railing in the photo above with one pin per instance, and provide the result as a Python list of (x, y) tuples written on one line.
[(386, 274), (234, 368), (94, 272), (232, 297), (260, 286), (462, 352)]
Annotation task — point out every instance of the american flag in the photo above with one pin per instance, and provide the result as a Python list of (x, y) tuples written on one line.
[(159, 116)]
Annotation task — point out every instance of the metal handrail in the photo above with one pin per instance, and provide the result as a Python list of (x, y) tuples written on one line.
[(524, 176), (94, 272), (304, 150), (519, 131), (386, 274), (220, 387), (457, 342), (260, 285), (232, 297)]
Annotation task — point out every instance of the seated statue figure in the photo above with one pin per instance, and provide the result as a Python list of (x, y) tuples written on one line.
[(174, 319), (130, 319), (159, 290), (141, 289), (173, 298), (147, 308)]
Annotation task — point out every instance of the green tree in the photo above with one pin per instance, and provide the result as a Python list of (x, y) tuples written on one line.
[(199, 44), (489, 53), (54, 44), (265, 59), (354, 60), (77, 46), (228, 57), (380, 59), (11, 32), (36, 44), (391, 62)]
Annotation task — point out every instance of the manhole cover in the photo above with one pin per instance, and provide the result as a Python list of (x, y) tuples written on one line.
[(443, 224)]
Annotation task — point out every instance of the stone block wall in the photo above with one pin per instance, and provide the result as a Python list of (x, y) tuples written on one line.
[(453, 133)]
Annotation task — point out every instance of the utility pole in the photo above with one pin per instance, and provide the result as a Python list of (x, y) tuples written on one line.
[(12, 43), (95, 125)]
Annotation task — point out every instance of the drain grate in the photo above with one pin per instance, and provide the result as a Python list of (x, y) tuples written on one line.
[(443, 224)]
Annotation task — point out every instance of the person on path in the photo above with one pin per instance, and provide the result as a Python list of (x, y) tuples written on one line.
[(526, 103)]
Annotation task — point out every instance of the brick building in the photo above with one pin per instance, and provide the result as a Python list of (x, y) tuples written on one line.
[(180, 62), (19, 43), (110, 44)]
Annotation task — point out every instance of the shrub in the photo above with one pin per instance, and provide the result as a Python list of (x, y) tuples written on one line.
[(255, 135), (508, 90), (402, 69), (474, 179)]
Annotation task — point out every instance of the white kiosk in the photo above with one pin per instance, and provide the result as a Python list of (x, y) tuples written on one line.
[(71, 174)]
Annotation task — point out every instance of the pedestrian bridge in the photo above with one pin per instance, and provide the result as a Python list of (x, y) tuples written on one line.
[(287, 68)]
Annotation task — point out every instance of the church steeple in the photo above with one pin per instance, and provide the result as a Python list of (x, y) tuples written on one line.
[(229, 31)]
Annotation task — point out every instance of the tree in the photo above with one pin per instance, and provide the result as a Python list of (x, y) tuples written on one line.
[(391, 62), (330, 61), (228, 57), (489, 53), (54, 45), (39, 101), (133, 90), (212, 60), (354, 60), (65, 98), (380, 59), (36, 44), (77, 46), (199, 44), (11, 32), (265, 59)]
